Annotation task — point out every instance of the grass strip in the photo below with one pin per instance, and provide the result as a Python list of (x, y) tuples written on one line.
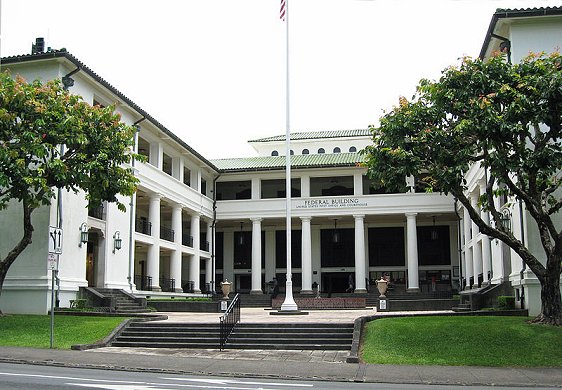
[(34, 330), (493, 341)]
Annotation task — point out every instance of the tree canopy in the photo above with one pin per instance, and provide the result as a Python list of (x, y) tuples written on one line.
[(504, 118), (49, 139)]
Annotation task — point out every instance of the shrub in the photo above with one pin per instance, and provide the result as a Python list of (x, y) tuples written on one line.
[(506, 302)]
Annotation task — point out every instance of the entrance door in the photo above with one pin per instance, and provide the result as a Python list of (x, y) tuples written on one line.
[(335, 282), (91, 265)]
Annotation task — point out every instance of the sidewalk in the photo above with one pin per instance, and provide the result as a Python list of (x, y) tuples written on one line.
[(302, 365)]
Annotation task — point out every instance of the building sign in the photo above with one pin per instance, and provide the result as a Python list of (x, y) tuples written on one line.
[(329, 203)]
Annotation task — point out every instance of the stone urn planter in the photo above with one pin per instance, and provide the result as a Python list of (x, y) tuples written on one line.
[(382, 286), (225, 287)]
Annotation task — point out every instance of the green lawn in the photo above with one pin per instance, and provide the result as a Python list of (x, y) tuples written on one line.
[(34, 330), (462, 341)]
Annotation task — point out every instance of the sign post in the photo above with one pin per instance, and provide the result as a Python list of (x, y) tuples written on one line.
[(55, 249)]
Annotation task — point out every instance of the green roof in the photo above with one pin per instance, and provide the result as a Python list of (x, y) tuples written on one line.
[(318, 135), (297, 161)]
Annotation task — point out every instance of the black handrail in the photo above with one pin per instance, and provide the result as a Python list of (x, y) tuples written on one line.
[(230, 318)]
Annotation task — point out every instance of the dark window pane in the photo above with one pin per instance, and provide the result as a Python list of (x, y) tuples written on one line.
[(231, 190), (434, 245), (281, 248), (340, 253), (331, 186), (276, 188), (386, 246)]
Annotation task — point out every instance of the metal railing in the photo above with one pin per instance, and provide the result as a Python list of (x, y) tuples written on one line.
[(166, 233), (205, 246), (187, 240), (168, 285), (96, 212), (143, 226), (228, 320), (188, 286), (143, 283)]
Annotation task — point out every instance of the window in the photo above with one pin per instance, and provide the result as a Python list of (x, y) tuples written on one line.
[(234, 190), (275, 153), (433, 245), (337, 150), (305, 151), (331, 186), (353, 149), (167, 164), (321, 151), (371, 188), (292, 153), (203, 186), (144, 147), (186, 176), (281, 248), (337, 254), (276, 188), (386, 247)]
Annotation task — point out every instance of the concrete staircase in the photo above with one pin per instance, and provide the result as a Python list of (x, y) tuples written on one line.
[(245, 336), (124, 303), (306, 336), (168, 335)]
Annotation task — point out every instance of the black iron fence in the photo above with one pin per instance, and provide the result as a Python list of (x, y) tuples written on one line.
[(188, 286), (187, 240), (143, 226), (205, 246), (96, 212), (168, 285), (228, 320), (166, 233), (143, 282)]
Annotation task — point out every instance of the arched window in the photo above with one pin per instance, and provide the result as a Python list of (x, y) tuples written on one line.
[(292, 152), (275, 153), (337, 150), (321, 151), (305, 151), (353, 149)]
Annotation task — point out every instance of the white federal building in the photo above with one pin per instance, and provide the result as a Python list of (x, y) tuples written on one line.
[(195, 222)]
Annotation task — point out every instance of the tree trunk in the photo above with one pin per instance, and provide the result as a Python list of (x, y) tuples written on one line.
[(551, 305), (20, 246)]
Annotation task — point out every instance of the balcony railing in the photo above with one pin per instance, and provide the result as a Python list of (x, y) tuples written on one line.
[(143, 283), (188, 286), (187, 240), (168, 285), (143, 226), (96, 212), (166, 233), (205, 246)]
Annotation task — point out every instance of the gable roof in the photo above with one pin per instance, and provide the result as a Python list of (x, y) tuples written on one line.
[(317, 135), (514, 13), (63, 54), (300, 161)]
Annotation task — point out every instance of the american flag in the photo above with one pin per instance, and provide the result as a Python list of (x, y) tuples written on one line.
[(283, 10)]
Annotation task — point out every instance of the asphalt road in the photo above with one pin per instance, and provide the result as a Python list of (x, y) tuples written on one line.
[(30, 377)]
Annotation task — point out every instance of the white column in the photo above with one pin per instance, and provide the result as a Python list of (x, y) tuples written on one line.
[(305, 186), (412, 252), (195, 261), (256, 188), (358, 184), (476, 247), (153, 255), (486, 251), (360, 286), (175, 257), (306, 256), (469, 270), (256, 256)]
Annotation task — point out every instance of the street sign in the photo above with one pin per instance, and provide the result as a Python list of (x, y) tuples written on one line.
[(52, 261), (55, 240)]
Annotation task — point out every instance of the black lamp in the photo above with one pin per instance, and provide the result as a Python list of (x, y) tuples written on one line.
[(83, 234), (117, 241)]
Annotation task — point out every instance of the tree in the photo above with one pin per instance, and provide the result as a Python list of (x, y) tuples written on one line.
[(507, 118), (35, 120)]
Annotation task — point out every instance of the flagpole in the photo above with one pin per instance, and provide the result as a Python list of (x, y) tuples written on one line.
[(289, 303)]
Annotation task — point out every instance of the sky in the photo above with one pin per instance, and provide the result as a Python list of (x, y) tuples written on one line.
[(213, 71)]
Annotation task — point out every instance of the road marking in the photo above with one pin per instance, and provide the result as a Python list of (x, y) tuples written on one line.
[(227, 381), (70, 378)]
